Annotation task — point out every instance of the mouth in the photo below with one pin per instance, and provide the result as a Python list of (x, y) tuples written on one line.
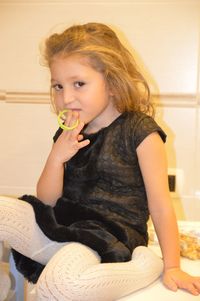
[(74, 109)]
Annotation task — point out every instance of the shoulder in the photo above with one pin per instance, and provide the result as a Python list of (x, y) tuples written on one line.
[(136, 119), (139, 125)]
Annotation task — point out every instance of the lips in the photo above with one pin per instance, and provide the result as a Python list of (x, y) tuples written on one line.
[(74, 109)]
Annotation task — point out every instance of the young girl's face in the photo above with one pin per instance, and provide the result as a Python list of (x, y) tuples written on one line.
[(79, 87)]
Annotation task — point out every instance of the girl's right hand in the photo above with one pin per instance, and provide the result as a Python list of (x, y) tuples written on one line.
[(69, 142), (175, 278)]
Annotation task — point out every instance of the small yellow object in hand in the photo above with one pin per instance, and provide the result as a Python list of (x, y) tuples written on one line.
[(63, 126)]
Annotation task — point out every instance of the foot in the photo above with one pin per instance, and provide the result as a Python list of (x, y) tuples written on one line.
[(5, 285)]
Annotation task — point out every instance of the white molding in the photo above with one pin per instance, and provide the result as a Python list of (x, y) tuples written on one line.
[(176, 100), (164, 99), (24, 97), (16, 191), (56, 2)]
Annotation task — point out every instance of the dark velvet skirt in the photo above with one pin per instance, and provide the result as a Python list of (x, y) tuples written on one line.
[(100, 228)]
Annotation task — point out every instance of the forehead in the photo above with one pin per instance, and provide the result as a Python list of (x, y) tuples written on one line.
[(70, 60), (71, 66)]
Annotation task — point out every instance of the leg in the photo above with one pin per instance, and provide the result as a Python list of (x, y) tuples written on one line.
[(5, 282), (19, 228), (75, 273), (5, 285)]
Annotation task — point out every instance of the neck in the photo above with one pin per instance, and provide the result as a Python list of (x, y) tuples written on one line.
[(99, 123)]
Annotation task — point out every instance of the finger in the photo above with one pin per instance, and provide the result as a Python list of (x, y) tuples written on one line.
[(194, 286), (191, 288), (80, 137), (71, 122), (197, 283), (68, 116), (74, 118), (83, 143), (79, 128), (170, 284)]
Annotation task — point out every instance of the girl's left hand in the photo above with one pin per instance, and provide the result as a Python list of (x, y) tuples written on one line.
[(175, 278)]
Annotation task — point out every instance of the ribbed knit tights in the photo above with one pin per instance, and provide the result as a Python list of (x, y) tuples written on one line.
[(19, 228), (73, 271)]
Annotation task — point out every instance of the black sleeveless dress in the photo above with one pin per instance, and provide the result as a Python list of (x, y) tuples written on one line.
[(104, 203)]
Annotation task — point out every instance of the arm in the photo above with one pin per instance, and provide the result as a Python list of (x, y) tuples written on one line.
[(50, 184), (153, 164)]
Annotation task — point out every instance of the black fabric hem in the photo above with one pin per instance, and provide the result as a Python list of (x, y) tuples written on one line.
[(95, 231)]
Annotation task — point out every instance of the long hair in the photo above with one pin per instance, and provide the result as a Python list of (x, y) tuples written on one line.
[(106, 54)]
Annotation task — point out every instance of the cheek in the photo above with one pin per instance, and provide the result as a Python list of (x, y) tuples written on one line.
[(96, 99), (58, 104)]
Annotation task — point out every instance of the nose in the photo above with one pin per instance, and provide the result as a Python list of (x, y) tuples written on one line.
[(68, 97)]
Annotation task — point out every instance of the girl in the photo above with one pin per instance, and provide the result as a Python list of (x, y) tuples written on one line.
[(85, 235)]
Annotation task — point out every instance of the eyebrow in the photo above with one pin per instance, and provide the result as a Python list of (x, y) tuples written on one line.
[(70, 78)]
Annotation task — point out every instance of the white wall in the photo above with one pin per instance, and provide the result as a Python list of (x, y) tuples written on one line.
[(165, 38), (164, 33)]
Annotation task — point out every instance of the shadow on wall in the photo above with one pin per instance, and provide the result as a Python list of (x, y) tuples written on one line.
[(159, 117)]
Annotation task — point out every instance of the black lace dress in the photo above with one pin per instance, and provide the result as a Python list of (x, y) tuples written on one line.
[(104, 203)]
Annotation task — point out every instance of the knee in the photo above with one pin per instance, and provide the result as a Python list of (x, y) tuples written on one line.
[(4, 200), (4, 204), (43, 291), (52, 285), (60, 280)]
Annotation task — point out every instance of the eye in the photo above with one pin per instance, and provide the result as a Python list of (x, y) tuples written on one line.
[(57, 87), (79, 84)]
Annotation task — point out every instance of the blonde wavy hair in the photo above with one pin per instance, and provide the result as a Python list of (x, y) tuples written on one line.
[(106, 54)]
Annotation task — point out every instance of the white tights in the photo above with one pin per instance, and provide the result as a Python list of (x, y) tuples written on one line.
[(73, 271)]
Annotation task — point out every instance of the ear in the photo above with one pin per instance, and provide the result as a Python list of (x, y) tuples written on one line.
[(111, 92)]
